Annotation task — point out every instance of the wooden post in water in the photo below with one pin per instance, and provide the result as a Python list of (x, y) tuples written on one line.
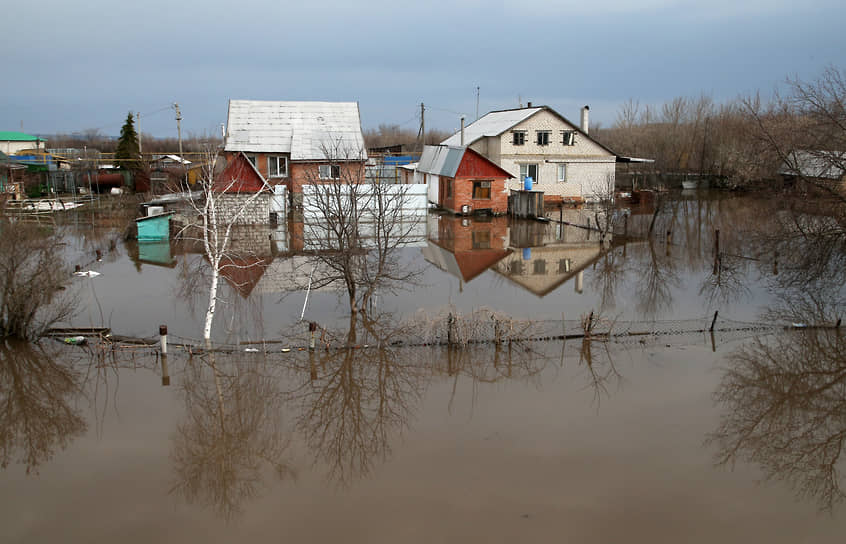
[(775, 264), (312, 327), (626, 225), (163, 342), (713, 321), (450, 320)]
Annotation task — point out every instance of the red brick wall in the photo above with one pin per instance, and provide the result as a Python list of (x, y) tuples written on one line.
[(456, 236), (462, 193), (306, 173)]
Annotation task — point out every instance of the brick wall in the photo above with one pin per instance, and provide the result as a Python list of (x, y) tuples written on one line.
[(257, 213), (462, 193)]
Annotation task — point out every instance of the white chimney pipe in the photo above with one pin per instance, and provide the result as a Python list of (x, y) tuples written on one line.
[(585, 121), (462, 131)]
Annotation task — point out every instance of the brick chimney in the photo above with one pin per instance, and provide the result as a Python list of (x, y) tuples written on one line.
[(585, 121)]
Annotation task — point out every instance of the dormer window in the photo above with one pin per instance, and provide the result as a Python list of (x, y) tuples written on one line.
[(518, 137), (543, 137), (568, 137)]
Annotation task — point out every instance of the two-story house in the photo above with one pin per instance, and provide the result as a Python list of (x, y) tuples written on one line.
[(297, 143), (538, 142)]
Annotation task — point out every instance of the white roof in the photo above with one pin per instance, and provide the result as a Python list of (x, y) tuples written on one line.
[(491, 124), (306, 130)]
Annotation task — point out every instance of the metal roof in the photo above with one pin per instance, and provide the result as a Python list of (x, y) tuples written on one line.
[(9, 136), (306, 130), (441, 160), (491, 124)]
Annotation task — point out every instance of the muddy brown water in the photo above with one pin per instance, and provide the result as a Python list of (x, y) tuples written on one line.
[(583, 441)]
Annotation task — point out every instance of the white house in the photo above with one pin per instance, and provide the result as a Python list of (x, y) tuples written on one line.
[(538, 142), (12, 142)]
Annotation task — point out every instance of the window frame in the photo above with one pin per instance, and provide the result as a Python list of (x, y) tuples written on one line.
[(253, 158), (518, 137), (276, 158), (535, 178), (561, 175), (568, 137), (449, 188), (542, 138), (482, 186), (333, 169)]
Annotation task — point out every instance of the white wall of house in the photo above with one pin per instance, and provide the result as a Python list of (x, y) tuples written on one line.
[(589, 169), (12, 147)]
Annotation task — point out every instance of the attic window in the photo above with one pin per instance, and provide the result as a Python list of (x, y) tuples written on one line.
[(543, 137), (568, 137), (330, 171), (518, 137)]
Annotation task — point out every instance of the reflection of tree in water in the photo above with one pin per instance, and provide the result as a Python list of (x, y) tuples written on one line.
[(357, 399), (656, 278), (36, 413), (785, 410), (232, 434)]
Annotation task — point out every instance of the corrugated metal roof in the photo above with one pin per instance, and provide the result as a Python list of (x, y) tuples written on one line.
[(306, 130), (7, 136), (491, 124), (441, 160)]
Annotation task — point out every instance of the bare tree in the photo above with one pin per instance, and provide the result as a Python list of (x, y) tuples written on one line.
[(354, 230)]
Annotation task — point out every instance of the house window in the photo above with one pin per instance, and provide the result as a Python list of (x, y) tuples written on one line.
[(481, 190), (529, 170), (330, 171), (543, 137), (277, 167), (562, 173), (252, 159), (564, 266), (449, 188), (568, 137), (539, 267), (482, 239), (515, 268), (519, 137)]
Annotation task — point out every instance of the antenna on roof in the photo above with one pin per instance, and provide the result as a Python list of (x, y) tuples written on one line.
[(477, 102), (520, 101)]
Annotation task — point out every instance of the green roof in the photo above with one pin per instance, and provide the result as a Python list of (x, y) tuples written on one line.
[(7, 136)]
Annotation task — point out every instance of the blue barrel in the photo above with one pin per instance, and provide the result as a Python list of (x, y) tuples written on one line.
[(527, 254), (527, 183)]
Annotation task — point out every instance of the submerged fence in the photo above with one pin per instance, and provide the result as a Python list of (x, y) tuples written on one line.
[(455, 330)]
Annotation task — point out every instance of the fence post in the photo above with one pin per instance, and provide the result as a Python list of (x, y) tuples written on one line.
[(312, 327), (450, 320), (713, 321), (163, 339)]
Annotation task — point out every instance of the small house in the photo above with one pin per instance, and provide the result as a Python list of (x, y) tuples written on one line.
[(461, 180), (564, 162), (13, 142), (297, 143)]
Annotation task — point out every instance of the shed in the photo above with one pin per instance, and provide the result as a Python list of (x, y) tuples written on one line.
[(461, 180)]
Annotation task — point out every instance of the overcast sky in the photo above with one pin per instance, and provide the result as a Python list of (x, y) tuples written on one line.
[(72, 66)]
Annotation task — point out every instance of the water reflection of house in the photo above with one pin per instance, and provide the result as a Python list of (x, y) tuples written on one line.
[(466, 247), (538, 257), (547, 255)]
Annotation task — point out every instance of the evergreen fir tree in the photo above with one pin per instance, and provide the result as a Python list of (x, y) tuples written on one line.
[(127, 154)]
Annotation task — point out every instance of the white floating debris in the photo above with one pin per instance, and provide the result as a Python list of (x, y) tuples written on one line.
[(87, 274), (251, 350), (799, 325)]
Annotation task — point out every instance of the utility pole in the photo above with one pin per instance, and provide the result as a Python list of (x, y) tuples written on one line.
[(477, 102), (138, 123), (179, 128), (422, 126)]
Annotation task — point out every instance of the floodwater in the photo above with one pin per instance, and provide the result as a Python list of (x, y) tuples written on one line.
[(679, 435)]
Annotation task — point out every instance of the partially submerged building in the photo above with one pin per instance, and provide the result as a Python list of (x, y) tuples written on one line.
[(537, 142), (461, 180), (297, 143)]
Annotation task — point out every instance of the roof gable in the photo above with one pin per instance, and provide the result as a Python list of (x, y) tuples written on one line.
[(306, 130), (11, 136), (240, 176), (452, 161), (496, 122)]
